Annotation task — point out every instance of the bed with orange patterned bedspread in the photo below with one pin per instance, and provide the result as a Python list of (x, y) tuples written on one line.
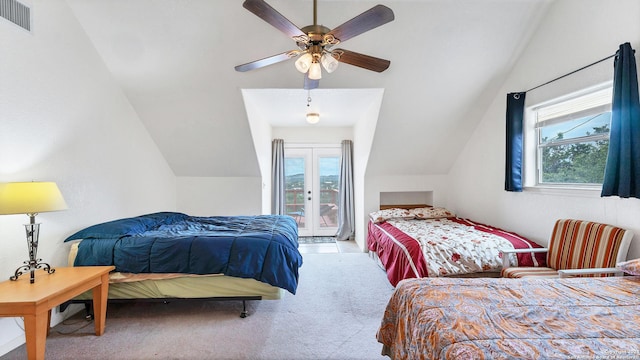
[(499, 318)]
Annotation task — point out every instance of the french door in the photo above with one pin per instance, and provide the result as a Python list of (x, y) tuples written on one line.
[(311, 189)]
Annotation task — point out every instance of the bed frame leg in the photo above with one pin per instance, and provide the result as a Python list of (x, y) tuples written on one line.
[(244, 312), (88, 310), (62, 307)]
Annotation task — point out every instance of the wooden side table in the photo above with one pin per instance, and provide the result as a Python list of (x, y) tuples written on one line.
[(35, 301)]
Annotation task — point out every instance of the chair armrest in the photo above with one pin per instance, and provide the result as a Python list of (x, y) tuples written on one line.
[(574, 272), (505, 259), (520, 251)]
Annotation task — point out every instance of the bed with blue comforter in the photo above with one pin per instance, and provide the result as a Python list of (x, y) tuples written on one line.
[(261, 247)]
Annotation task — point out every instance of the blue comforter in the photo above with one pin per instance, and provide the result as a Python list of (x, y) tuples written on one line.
[(262, 247)]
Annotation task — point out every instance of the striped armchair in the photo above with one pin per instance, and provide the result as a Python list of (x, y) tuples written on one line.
[(576, 247)]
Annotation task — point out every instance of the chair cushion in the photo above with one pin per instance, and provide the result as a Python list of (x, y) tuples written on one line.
[(579, 244), (529, 272)]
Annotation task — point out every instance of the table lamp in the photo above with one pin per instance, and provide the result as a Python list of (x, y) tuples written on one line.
[(31, 198)]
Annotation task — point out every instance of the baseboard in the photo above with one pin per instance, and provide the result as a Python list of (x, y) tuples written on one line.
[(12, 344), (9, 345)]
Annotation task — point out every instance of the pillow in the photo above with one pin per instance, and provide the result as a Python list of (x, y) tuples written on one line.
[(431, 213), (164, 218), (113, 229), (631, 267), (126, 227), (387, 214)]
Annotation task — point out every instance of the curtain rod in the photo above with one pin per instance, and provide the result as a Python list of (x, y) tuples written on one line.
[(574, 71)]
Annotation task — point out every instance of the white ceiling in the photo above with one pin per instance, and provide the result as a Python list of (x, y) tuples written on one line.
[(288, 107), (174, 60)]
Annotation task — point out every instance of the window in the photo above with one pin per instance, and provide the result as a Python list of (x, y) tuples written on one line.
[(572, 138)]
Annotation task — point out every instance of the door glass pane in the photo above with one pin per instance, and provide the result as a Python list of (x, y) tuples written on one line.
[(294, 168), (329, 170)]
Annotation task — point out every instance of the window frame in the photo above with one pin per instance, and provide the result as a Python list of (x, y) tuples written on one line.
[(532, 132)]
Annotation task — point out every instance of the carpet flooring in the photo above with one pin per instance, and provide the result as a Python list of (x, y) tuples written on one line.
[(335, 314)]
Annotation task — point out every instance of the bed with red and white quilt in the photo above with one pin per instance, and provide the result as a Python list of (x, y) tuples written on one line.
[(433, 242)]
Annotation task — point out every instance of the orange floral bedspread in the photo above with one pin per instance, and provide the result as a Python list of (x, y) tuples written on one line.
[(574, 318)]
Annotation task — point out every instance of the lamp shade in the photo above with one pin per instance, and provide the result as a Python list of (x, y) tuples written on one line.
[(304, 62), (313, 118), (30, 198), (315, 72), (329, 62)]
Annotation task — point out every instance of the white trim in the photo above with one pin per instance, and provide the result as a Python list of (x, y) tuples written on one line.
[(309, 145), (568, 97), (597, 110), (566, 190)]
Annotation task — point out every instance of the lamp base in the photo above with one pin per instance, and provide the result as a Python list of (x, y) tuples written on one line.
[(33, 264), (32, 268)]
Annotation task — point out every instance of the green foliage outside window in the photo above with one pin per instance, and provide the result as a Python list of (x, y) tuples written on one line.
[(578, 163)]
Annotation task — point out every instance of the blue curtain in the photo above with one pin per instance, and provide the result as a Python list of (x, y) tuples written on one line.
[(622, 172), (513, 161)]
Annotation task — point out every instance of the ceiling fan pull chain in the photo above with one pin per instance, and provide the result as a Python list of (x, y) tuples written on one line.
[(308, 97)]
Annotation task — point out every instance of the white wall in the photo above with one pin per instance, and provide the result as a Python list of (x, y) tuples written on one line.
[(363, 133), (261, 136), (435, 184), (63, 119), (313, 135), (209, 196), (573, 34)]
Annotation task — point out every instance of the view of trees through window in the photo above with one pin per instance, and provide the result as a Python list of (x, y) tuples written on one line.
[(294, 184), (578, 159), (329, 169)]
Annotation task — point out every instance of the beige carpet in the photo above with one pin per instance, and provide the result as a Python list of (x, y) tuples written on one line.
[(334, 315)]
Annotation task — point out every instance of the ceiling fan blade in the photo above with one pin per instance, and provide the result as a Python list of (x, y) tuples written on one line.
[(370, 19), (361, 60), (273, 17), (310, 84), (268, 61)]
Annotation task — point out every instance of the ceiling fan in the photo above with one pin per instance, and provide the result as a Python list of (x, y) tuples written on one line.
[(315, 42)]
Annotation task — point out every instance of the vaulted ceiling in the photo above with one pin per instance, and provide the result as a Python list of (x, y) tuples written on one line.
[(174, 60)]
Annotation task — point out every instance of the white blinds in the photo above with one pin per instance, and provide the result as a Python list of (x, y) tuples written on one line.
[(590, 104)]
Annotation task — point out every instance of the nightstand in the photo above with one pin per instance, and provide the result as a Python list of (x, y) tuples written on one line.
[(34, 301)]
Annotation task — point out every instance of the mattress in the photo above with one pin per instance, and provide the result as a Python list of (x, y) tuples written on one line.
[(173, 285)]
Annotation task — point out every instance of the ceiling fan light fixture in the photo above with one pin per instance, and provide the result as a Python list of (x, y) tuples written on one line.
[(313, 118), (329, 63), (315, 72), (304, 63)]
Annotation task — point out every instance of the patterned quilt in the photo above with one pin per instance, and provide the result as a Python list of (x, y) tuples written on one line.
[(483, 318), (444, 247)]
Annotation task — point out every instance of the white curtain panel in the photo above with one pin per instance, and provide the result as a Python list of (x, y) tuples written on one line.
[(346, 208), (277, 172)]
